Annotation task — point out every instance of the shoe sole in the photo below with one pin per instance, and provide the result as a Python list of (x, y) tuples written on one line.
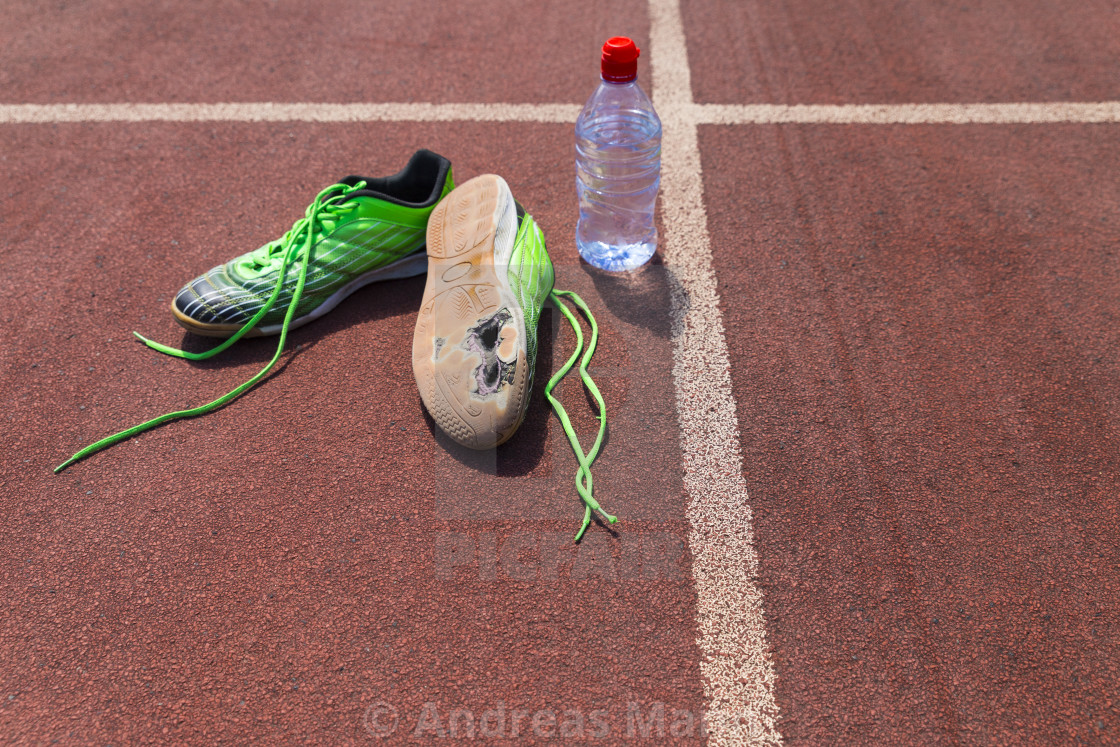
[(468, 351), (412, 265)]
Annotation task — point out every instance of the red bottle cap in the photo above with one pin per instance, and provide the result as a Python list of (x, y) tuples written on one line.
[(620, 60)]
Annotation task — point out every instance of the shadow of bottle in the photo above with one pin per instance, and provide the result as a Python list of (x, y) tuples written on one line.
[(644, 297)]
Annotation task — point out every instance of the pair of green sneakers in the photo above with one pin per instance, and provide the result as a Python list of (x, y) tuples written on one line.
[(475, 344)]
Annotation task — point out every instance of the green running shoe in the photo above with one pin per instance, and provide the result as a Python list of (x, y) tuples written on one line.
[(475, 343), (365, 230), (474, 349), (355, 232)]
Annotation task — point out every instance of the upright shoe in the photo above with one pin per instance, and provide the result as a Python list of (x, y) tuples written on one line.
[(475, 345), (363, 230), (355, 232), (474, 349)]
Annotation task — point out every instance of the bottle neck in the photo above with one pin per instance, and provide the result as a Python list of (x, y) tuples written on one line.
[(609, 82)]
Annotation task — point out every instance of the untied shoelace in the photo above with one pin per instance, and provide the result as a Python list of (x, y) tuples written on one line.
[(287, 250), (584, 483), (326, 204)]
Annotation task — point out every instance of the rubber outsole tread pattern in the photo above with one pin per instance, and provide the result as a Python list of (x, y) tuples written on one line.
[(459, 301)]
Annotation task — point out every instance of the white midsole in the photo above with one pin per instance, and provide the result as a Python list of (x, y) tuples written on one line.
[(407, 267)]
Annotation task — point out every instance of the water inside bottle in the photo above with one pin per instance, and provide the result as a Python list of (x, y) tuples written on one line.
[(617, 177)]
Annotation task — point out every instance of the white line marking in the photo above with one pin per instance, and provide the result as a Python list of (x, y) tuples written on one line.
[(731, 630), (277, 112), (685, 109), (1035, 113), (738, 674)]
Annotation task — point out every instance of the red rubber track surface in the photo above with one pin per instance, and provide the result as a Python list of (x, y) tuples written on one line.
[(923, 325), (921, 321), (273, 569), (287, 50), (911, 51)]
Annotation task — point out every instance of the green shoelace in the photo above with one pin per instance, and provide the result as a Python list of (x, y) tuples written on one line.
[(584, 483), (287, 250), (290, 249)]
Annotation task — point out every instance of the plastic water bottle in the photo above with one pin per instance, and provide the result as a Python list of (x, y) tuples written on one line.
[(618, 165)]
